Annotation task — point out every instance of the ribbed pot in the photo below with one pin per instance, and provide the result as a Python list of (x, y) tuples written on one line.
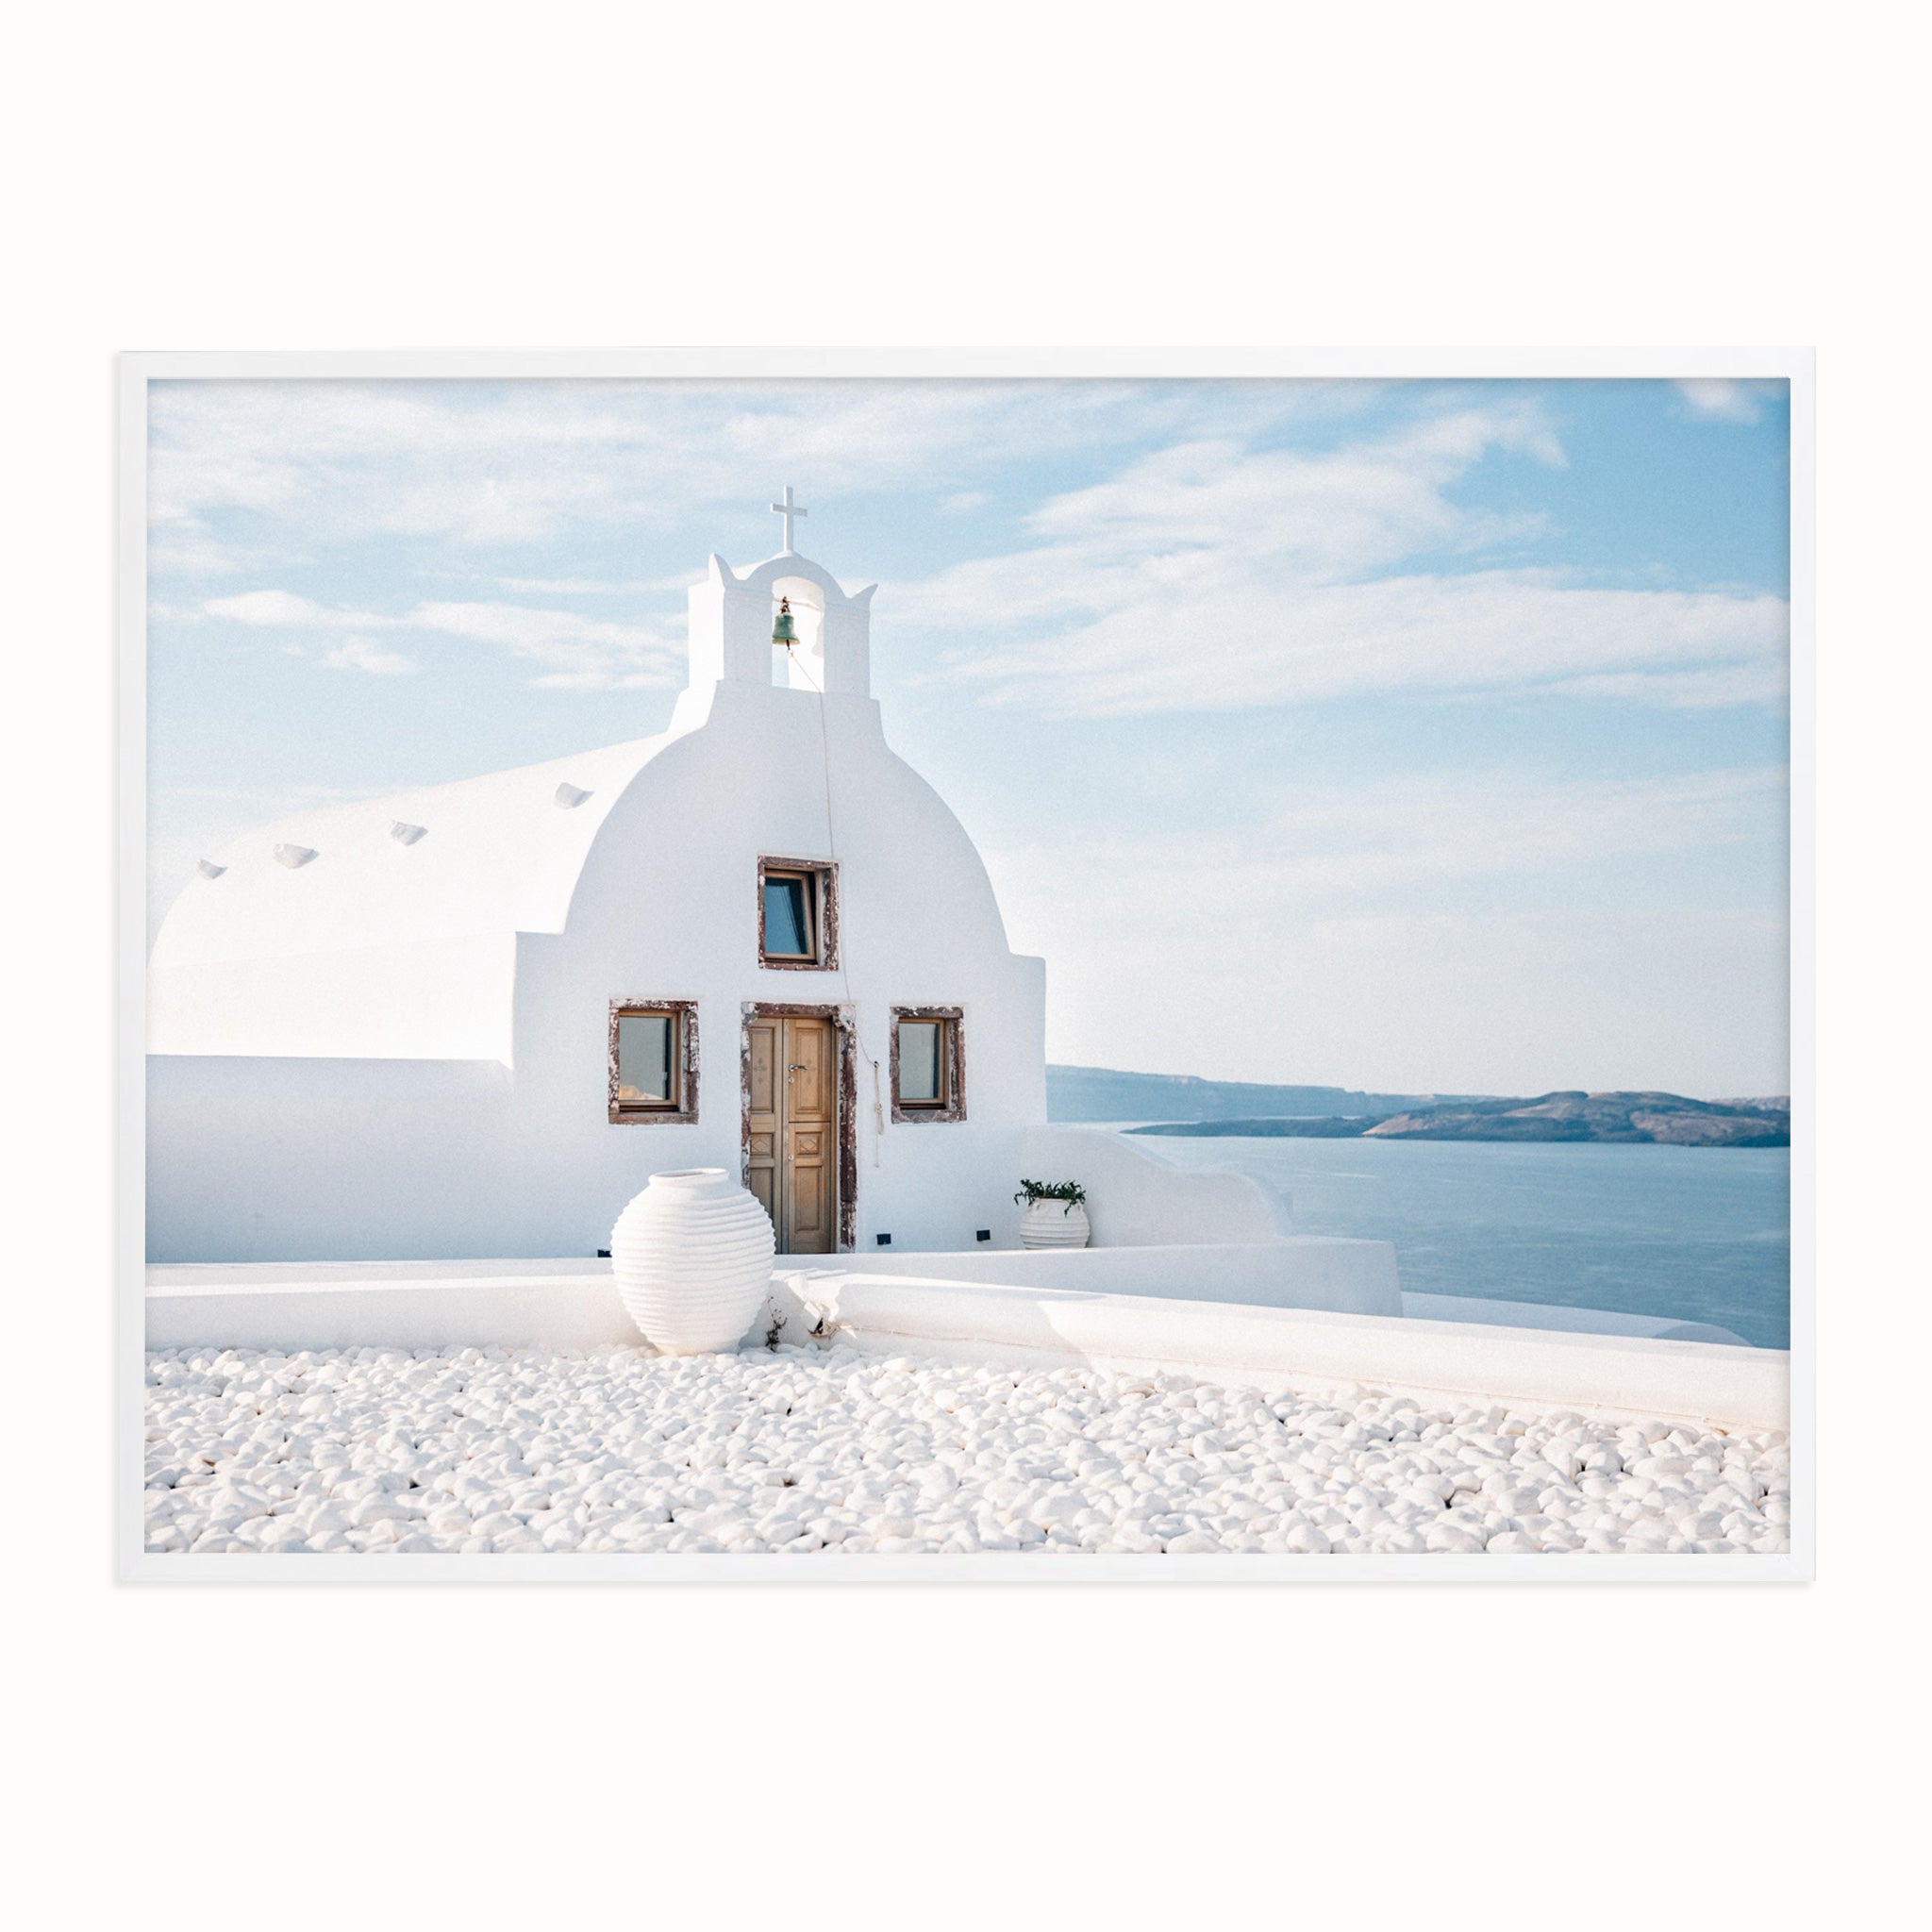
[(693, 1257), (1053, 1225)]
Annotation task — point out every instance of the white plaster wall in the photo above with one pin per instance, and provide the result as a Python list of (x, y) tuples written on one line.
[(307, 1159), (1292, 1271), (1307, 1350), (499, 1306), (449, 999), (374, 947), (1134, 1197)]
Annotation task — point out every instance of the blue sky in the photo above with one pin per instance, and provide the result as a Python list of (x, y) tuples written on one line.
[(1418, 735)]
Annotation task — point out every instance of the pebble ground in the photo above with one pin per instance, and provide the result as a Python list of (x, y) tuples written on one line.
[(811, 1451)]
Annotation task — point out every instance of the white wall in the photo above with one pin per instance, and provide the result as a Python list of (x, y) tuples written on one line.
[(981, 1320), (1135, 1197), (376, 948), (449, 999), (1290, 1271), (253, 1159), (1303, 1349)]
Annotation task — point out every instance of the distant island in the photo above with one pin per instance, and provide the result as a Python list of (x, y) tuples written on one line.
[(1100, 1094), (1667, 1119)]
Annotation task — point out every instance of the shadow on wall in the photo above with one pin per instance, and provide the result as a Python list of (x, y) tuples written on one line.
[(251, 1159)]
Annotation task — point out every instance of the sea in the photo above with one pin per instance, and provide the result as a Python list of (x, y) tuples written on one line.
[(1697, 1234)]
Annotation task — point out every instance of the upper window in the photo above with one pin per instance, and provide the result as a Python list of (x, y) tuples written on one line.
[(791, 915), (654, 1061), (928, 1064), (798, 913)]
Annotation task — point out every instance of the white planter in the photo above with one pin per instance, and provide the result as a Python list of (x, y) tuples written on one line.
[(692, 1258), (1053, 1225)]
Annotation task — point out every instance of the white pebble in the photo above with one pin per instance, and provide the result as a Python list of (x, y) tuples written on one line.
[(826, 1451)]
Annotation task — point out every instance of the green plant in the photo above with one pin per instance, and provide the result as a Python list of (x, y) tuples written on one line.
[(1072, 1192)]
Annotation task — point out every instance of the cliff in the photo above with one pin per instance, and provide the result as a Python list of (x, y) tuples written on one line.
[(1667, 1119), (1100, 1094)]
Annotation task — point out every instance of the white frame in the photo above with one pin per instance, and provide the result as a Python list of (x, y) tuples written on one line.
[(1794, 365)]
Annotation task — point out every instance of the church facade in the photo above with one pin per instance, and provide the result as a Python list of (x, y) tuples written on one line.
[(471, 1020)]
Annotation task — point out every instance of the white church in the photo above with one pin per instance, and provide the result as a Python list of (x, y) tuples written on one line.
[(471, 1020)]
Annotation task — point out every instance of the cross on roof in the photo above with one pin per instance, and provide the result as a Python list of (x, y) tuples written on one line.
[(788, 509)]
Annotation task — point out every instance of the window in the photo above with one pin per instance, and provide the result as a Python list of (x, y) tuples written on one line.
[(798, 914), (922, 1063), (928, 1064), (790, 926), (654, 1061), (647, 1059)]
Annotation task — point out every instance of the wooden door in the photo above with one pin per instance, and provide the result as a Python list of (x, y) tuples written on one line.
[(764, 1114), (810, 1141), (792, 1126)]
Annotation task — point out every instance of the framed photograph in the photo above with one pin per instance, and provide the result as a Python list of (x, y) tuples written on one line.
[(810, 966)]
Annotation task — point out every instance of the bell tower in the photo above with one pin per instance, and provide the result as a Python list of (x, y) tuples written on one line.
[(736, 620)]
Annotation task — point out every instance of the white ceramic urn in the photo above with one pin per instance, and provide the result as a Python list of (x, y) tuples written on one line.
[(1053, 1225), (693, 1257)]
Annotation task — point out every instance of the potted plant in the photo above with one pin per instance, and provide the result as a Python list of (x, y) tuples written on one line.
[(1055, 1215)]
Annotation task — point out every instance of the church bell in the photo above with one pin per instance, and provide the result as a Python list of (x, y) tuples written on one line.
[(784, 632)]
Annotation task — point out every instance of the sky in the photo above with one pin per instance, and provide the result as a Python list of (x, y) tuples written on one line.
[(1409, 735)]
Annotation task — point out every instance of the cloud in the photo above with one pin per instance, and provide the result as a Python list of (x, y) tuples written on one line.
[(1765, 682), (1338, 511), (360, 654), (1211, 576), (1192, 517), (523, 462), (1212, 570), (1225, 640), (284, 609), (576, 651), (1726, 399), (593, 587)]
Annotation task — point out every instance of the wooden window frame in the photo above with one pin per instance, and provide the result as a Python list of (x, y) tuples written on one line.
[(954, 1058), (824, 873), (685, 1112)]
